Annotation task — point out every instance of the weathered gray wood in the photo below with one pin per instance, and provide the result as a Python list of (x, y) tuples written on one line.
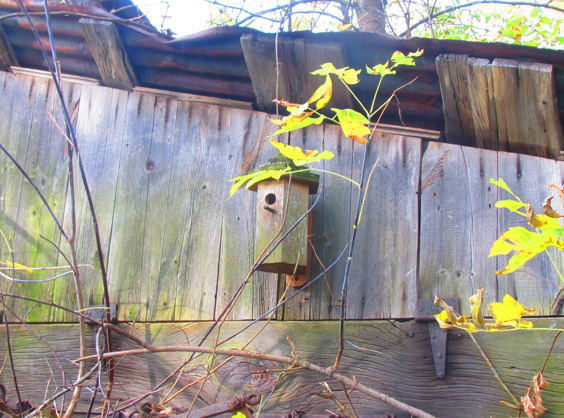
[(383, 278), (458, 223), (526, 108), (103, 140), (399, 364), (246, 146), (453, 81), (109, 53), (536, 284), (482, 99), (7, 56), (296, 59)]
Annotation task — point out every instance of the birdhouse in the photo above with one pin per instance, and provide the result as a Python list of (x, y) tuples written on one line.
[(278, 199)]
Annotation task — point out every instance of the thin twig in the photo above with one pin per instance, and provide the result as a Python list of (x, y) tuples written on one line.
[(292, 361)]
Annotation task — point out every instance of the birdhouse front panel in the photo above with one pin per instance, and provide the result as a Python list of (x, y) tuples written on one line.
[(274, 198)]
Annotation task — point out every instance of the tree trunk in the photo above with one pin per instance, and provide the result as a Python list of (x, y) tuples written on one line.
[(370, 14)]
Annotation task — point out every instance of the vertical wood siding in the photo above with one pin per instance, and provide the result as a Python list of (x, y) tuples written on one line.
[(177, 247)]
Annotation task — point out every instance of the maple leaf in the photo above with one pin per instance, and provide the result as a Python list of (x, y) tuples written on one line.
[(509, 312), (353, 124), (323, 93), (297, 155)]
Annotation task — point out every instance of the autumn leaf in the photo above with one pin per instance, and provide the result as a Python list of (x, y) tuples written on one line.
[(399, 58), (450, 319), (476, 308), (353, 124), (297, 155), (509, 312), (540, 221), (547, 208), (293, 123), (323, 93), (532, 402), (346, 74), (380, 69), (17, 266), (256, 176)]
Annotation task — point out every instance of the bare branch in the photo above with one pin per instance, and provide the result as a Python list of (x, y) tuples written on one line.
[(474, 3)]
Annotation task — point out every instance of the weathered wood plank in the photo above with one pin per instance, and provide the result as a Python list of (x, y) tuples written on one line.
[(101, 151), (296, 59), (109, 53), (246, 146), (383, 281), (526, 108), (537, 283), (399, 364), (26, 216), (481, 93), (458, 223), (453, 81)]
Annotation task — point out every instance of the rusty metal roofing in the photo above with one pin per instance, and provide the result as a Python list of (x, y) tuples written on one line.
[(212, 62)]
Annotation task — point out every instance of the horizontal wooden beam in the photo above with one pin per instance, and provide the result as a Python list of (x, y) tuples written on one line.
[(393, 357), (109, 53)]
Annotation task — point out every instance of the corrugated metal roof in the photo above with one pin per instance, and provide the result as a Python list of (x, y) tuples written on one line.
[(212, 62)]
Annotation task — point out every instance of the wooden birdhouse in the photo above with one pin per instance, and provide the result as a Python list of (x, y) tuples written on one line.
[(277, 199)]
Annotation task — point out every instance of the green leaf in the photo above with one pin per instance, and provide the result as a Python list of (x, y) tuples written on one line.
[(288, 127), (380, 69), (346, 74), (512, 205), (501, 183), (255, 177)]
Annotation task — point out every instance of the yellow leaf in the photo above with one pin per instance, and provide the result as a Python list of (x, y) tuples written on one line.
[(297, 155), (476, 308), (18, 266), (509, 311), (323, 93), (345, 27), (353, 124)]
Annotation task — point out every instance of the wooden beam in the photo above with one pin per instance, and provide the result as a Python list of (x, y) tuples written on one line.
[(7, 56), (390, 356), (109, 53), (296, 59)]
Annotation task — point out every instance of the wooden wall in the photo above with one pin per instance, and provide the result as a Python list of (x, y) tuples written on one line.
[(177, 247), (390, 356)]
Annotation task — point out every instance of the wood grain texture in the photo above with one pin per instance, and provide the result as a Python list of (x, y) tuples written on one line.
[(458, 223), (482, 99), (109, 53), (296, 58), (395, 357), (526, 108), (453, 81)]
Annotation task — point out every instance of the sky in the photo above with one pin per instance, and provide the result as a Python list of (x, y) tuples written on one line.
[(183, 17)]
